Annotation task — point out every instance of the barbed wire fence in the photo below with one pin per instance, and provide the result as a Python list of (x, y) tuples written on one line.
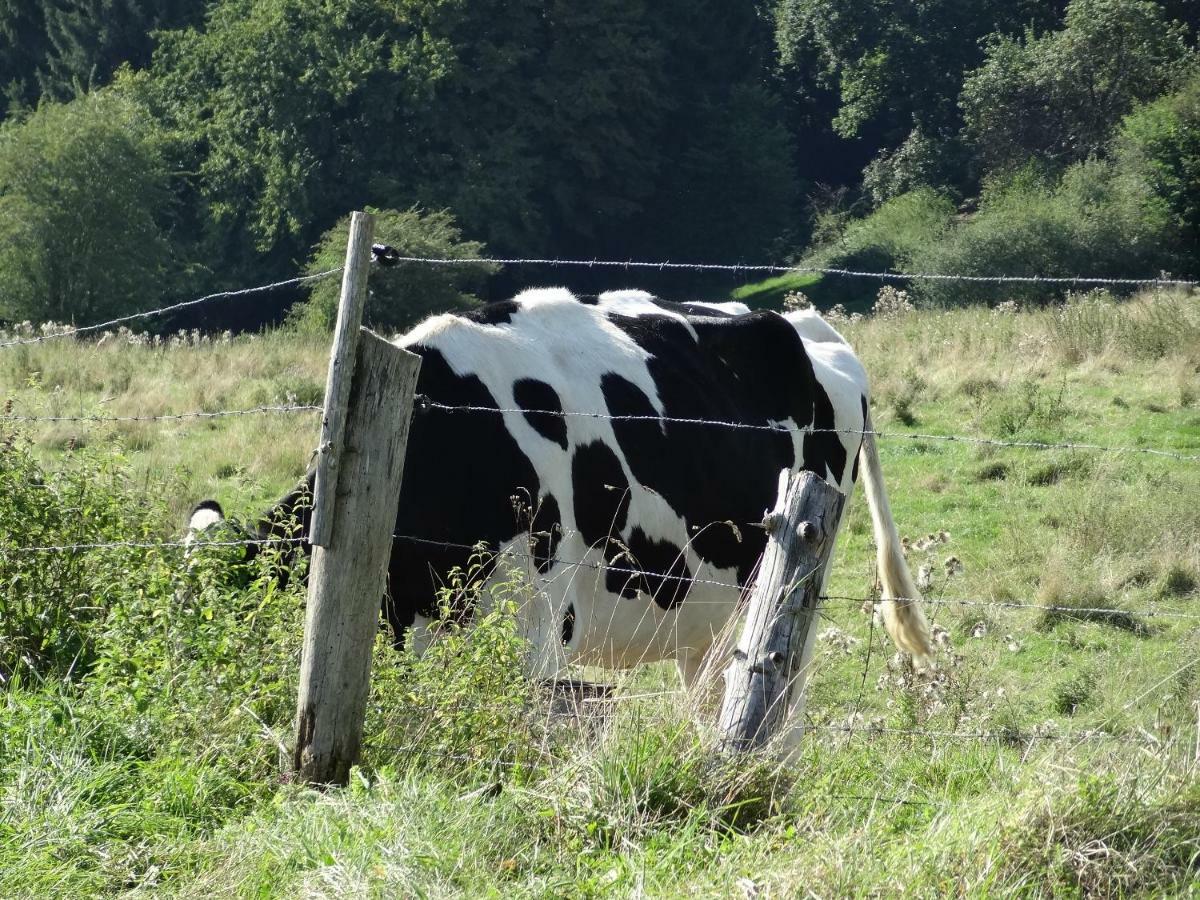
[(384, 256)]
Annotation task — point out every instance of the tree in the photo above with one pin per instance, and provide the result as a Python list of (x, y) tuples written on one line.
[(400, 296), (1160, 144), (59, 50), (82, 191), (897, 69), (1057, 96)]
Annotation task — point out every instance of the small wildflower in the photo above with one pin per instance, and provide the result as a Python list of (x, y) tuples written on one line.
[(925, 578), (891, 303), (794, 301)]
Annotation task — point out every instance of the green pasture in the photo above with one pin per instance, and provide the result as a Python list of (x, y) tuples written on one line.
[(144, 730)]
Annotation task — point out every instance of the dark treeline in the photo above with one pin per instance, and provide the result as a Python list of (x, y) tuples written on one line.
[(153, 148)]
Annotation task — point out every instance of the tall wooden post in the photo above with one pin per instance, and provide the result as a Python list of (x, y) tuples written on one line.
[(359, 495), (341, 371), (783, 605)]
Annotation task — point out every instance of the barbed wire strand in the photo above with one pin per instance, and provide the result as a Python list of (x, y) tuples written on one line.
[(168, 417), (958, 601), (174, 307), (424, 402), (148, 545), (605, 567), (806, 270)]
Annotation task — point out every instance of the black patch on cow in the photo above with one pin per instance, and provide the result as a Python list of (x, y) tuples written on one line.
[(744, 370), (588, 299), (462, 471), (666, 574), (545, 533), (620, 575), (212, 505), (854, 471), (568, 625), (541, 402), (499, 313), (601, 493)]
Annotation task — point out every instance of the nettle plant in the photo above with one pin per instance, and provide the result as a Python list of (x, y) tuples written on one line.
[(72, 550)]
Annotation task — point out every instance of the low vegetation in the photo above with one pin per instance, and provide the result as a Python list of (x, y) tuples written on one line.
[(147, 698)]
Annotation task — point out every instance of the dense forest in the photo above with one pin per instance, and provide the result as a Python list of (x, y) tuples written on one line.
[(154, 149)]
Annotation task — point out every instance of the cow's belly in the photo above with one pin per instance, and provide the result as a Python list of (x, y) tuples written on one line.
[(615, 631), (621, 632)]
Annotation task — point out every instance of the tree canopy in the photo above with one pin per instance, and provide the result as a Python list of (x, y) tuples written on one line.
[(242, 131)]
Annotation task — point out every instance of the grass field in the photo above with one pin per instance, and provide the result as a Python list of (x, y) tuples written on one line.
[(143, 735)]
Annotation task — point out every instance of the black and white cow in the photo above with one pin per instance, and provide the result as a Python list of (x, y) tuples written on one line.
[(661, 512)]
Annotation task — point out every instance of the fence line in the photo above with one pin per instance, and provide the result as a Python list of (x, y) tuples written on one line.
[(174, 307), (1009, 736), (424, 402), (388, 257), (148, 545), (828, 600), (777, 269), (166, 417), (957, 601)]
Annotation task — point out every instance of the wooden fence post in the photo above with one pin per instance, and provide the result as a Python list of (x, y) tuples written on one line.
[(361, 493), (341, 372), (801, 530)]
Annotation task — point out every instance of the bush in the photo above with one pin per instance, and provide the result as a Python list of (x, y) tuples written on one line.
[(83, 188), (1092, 222), (466, 703), (407, 293), (921, 161), (887, 240)]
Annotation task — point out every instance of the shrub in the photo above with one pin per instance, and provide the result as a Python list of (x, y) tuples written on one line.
[(886, 240), (919, 162), (407, 293), (1093, 221), (53, 604), (1057, 96), (466, 703)]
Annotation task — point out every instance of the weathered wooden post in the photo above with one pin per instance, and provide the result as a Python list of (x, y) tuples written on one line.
[(783, 605), (368, 406)]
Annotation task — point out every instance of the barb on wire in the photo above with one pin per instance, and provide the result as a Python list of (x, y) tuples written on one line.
[(424, 402), (814, 270), (161, 311), (167, 417)]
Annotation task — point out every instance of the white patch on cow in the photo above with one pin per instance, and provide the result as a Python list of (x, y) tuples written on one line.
[(809, 325), (730, 307), (201, 520), (640, 303)]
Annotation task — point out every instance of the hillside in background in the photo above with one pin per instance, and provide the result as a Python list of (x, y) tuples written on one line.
[(153, 150)]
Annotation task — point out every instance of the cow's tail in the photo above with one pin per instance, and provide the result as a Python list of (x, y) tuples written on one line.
[(902, 616)]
